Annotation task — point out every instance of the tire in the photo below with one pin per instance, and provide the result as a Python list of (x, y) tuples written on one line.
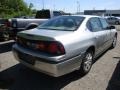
[(87, 62), (117, 23), (6, 36), (114, 42)]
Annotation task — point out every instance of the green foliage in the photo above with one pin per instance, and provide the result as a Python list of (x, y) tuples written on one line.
[(13, 8)]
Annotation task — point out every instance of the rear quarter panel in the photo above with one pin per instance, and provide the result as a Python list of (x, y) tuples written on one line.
[(77, 42)]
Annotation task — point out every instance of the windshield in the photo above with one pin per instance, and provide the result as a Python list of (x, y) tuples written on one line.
[(67, 23)]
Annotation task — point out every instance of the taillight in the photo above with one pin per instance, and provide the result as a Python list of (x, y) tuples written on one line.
[(8, 24), (51, 47), (55, 48)]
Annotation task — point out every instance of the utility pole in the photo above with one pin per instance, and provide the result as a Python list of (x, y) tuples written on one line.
[(94, 8), (78, 6), (43, 4), (54, 7)]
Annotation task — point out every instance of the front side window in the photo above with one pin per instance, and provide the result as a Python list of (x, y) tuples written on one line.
[(67, 23)]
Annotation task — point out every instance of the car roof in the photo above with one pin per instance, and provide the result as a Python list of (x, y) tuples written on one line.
[(112, 17), (86, 16)]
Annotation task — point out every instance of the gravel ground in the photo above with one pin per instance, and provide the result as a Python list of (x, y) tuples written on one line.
[(104, 74)]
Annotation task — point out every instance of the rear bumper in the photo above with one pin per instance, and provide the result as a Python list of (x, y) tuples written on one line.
[(53, 69)]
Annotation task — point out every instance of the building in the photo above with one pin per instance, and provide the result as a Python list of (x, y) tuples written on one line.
[(103, 12)]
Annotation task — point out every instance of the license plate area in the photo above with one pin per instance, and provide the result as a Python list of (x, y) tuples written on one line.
[(26, 58)]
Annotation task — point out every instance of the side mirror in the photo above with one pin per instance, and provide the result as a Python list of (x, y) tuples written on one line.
[(111, 27)]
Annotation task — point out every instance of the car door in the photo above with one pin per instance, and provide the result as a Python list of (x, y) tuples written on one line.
[(107, 39), (98, 33)]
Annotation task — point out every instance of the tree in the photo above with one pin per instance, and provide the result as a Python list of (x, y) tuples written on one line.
[(11, 8), (31, 6)]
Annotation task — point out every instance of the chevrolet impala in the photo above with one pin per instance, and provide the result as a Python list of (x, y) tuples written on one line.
[(65, 44)]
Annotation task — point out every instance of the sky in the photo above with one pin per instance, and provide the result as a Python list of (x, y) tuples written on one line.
[(72, 6)]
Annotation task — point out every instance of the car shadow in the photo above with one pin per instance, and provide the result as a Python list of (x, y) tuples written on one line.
[(114, 82), (24, 78), (6, 47)]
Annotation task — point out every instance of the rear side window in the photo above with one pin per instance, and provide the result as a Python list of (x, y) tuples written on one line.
[(95, 24), (104, 23)]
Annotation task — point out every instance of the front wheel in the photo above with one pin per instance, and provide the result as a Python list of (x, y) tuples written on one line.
[(114, 42), (87, 62)]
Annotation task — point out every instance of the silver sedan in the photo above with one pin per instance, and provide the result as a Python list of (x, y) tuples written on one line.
[(64, 44)]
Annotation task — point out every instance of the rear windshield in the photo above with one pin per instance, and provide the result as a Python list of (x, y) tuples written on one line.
[(43, 14), (67, 23)]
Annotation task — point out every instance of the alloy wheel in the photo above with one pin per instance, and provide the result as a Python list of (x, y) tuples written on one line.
[(88, 62)]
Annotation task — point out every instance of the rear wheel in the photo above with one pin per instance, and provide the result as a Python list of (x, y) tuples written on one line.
[(6, 36), (87, 62)]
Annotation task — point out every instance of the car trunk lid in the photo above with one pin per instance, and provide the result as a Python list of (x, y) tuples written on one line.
[(42, 34)]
